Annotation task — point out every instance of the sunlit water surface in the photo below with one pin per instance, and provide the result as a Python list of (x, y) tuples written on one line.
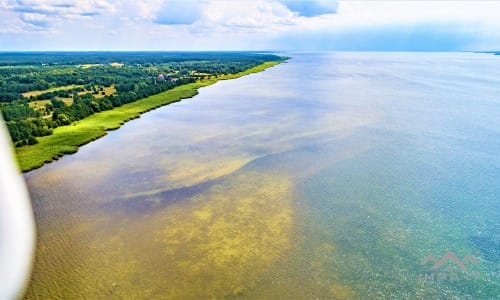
[(330, 176)]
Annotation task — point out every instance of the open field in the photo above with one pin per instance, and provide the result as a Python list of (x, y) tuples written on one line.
[(107, 90), (38, 104), (67, 139), (67, 101), (54, 89), (86, 66)]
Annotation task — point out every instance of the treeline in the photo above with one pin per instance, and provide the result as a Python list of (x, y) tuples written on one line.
[(133, 57)]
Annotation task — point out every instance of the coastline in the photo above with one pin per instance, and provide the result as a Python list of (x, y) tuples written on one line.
[(69, 138)]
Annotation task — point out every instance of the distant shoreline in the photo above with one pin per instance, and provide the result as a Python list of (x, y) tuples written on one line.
[(68, 139)]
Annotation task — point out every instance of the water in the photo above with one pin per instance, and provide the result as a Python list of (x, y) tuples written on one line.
[(330, 176)]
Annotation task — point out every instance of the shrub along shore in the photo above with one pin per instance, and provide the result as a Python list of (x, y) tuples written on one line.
[(67, 139)]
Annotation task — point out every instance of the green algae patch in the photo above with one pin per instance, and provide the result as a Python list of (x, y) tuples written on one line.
[(217, 244), (67, 139)]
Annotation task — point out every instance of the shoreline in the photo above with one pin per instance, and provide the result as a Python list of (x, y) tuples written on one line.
[(69, 138)]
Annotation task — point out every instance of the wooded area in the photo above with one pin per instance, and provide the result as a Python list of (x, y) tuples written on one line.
[(41, 91)]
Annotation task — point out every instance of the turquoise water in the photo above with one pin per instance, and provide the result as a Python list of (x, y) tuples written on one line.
[(330, 176)]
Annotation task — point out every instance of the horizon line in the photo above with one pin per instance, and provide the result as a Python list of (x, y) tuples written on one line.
[(253, 51)]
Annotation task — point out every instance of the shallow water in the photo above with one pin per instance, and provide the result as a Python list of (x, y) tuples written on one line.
[(330, 176)]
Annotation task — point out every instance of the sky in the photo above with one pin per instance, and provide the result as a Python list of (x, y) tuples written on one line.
[(168, 25)]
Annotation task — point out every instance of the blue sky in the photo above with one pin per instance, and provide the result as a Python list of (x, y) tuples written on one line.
[(249, 25)]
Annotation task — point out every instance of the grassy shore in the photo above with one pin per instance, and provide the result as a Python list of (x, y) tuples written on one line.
[(67, 139)]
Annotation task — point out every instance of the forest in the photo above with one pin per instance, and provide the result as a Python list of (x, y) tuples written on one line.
[(40, 91)]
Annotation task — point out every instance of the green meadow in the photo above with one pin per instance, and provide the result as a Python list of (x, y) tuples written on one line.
[(67, 139)]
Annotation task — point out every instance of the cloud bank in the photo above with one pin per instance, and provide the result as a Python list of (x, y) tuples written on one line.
[(248, 25)]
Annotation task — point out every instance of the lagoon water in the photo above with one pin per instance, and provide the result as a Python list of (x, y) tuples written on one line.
[(330, 176)]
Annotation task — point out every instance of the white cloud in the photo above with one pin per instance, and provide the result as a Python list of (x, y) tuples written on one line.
[(431, 25), (49, 13), (270, 15), (138, 10), (413, 12), (36, 19)]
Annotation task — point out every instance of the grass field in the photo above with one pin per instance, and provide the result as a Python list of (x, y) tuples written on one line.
[(38, 104), (108, 90), (57, 88), (67, 139), (86, 66)]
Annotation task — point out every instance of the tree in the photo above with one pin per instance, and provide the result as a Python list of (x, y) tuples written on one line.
[(31, 140)]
